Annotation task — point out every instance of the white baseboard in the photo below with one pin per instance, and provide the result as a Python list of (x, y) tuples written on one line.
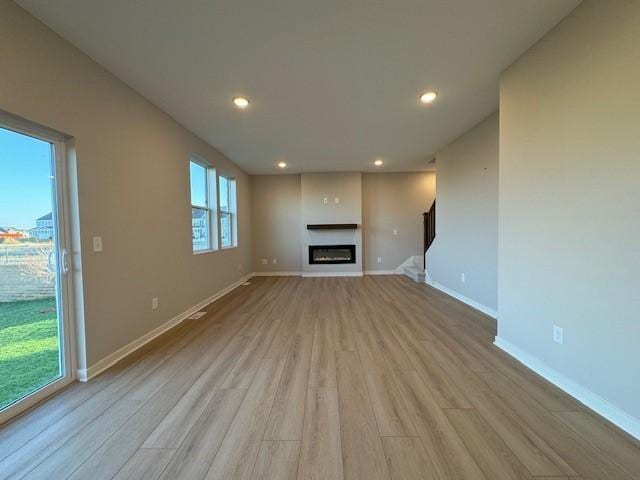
[(332, 274), (87, 374), (380, 272), (277, 274), (452, 293), (322, 274), (596, 403)]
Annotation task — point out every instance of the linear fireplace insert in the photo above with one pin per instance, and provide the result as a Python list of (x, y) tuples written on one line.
[(332, 254)]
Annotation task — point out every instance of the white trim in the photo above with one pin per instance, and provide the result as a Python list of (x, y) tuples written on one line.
[(332, 274), (277, 274), (85, 375), (595, 402), (452, 293), (381, 272)]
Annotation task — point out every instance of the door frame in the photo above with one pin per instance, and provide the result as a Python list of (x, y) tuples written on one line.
[(63, 248)]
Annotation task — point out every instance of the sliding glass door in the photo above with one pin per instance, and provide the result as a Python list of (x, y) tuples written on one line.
[(34, 291)]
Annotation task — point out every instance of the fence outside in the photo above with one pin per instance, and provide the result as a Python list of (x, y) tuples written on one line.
[(27, 271)]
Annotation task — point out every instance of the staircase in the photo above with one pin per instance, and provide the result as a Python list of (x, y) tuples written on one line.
[(416, 270)]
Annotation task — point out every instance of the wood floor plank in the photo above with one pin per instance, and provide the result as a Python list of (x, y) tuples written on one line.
[(389, 345), (439, 381), (624, 451), (393, 359), (343, 332), (450, 457), (237, 454), (539, 458), (16, 434), (245, 368), (287, 415), (64, 460), (391, 413), (407, 459), (196, 453), (172, 430), (277, 460), (179, 377), (146, 464), (587, 461), (321, 448), (49, 440), (362, 448), (322, 373), (486, 447)]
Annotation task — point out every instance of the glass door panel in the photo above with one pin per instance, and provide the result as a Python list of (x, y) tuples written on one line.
[(31, 324)]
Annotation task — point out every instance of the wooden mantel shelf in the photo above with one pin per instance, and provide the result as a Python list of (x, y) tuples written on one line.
[(332, 226)]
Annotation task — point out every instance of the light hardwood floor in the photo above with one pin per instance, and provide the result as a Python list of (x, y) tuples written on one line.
[(320, 378)]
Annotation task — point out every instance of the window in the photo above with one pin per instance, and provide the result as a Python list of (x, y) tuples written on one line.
[(203, 196), (228, 211)]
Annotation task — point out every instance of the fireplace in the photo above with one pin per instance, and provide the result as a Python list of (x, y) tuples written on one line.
[(331, 254)]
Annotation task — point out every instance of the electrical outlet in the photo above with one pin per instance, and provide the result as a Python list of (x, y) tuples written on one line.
[(336, 200), (265, 261), (463, 277), (274, 260), (97, 244), (379, 259), (395, 232), (154, 303), (558, 334), (325, 200)]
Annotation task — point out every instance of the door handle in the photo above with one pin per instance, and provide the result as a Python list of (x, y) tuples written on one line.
[(64, 261)]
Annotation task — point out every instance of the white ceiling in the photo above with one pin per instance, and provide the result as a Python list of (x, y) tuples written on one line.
[(333, 83)]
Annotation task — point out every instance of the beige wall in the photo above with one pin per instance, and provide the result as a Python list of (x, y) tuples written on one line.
[(343, 194), (394, 201), (467, 215), (388, 201), (276, 223), (570, 202), (133, 185)]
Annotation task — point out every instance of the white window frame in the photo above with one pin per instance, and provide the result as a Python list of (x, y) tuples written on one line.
[(232, 201), (209, 208)]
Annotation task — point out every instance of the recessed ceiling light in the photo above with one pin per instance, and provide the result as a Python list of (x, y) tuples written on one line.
[(428, 97), (282, 164), (378, 162), (241, 102)]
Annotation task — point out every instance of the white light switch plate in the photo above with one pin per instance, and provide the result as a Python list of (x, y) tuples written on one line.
[(97, 244)]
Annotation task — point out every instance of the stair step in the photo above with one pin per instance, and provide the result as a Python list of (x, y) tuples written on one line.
[(416, 273)]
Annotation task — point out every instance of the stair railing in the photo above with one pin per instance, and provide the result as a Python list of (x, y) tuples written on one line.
[(429, 221)]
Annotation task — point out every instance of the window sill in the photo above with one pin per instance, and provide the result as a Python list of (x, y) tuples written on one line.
[(229, 248), (202, 252)]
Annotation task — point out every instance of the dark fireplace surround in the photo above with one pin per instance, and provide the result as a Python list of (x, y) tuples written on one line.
[(331, 254)]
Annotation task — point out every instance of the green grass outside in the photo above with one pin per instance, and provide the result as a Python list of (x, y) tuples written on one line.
[(28, 347)]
